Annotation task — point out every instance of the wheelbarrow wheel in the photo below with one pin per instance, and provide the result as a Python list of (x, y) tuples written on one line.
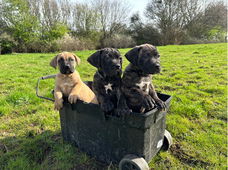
[(133, 162), (167, 141)]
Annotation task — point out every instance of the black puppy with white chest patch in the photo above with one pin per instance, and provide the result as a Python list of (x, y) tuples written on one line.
[(136, 82), (107, 81)]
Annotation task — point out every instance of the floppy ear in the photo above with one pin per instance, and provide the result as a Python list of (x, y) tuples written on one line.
[(95, 58), (77, 59), (133, 55), (53, 62)]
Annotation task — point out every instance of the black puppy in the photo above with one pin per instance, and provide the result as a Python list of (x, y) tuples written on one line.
[(136, 82), (107, 81)]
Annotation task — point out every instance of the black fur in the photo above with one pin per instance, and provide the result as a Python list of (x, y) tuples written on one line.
[(136, 82), (107, 80)]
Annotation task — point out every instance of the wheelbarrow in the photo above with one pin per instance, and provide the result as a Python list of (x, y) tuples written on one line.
[(131, 141)]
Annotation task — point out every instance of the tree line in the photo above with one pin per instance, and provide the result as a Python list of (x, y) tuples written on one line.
[(54, 25)]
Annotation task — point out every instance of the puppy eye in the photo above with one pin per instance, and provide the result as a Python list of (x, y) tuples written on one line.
[(71, 59), (61, 59), (156, 54)]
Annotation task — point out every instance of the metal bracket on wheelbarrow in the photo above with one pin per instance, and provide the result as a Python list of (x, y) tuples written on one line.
[(37, 86)]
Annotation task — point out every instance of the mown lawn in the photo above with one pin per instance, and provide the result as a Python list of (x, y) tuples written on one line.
[(195, 75)]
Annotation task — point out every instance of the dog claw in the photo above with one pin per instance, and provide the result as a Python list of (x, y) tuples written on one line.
[(72, 98), (161, 105), (58, 105), (148, 103)]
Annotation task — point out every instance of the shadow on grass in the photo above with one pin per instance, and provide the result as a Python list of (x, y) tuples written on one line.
[(187, 159), (46, 150)]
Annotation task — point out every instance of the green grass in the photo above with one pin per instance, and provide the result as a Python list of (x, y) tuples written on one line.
[(195, 75)]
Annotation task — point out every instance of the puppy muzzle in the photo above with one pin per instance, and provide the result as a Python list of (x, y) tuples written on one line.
[(154, 69), (115, 70), (158, 68), (118, 67), (67, 70)]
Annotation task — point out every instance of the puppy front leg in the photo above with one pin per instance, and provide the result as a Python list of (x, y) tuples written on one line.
[(105, 103), (122, 107), (138, 97), (74, 94), (159, 102), (58, 98)]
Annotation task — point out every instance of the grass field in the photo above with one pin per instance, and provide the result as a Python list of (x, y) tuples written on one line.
[(195, 75)]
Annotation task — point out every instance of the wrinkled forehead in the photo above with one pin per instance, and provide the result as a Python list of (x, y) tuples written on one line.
[(148, 47), (112, 53), (65, 55), (148, 50)]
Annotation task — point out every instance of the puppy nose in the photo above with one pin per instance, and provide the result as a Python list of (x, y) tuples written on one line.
[(118, 66), (157, 65), (67, 66)]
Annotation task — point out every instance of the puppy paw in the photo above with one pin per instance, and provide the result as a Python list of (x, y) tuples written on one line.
[(123, 111), (148, 102), (58, 104), (161, 105), (107, 106), (72, 98)]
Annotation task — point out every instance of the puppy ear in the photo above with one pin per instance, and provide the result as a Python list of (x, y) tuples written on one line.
[(94, 59), (53, 62), (77, 59), (133, 55)]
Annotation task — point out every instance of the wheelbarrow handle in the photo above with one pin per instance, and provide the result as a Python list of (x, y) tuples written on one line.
[(37, 86), (48, 77)]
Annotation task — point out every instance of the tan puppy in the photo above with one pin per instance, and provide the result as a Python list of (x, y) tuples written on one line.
[(68, 82)]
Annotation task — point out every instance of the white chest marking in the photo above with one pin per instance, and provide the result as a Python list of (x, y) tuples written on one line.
[(142, 84), (108, 87), (68, 84)]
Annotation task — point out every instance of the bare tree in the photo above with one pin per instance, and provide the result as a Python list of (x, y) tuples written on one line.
[(85, 18), (50, 12), (171, 16), (215, 14), (34, 7), (112, 14), (65, 6), (212, 19), (143, 33)]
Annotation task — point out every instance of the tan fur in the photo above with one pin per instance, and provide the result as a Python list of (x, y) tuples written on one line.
[(70, 85)]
